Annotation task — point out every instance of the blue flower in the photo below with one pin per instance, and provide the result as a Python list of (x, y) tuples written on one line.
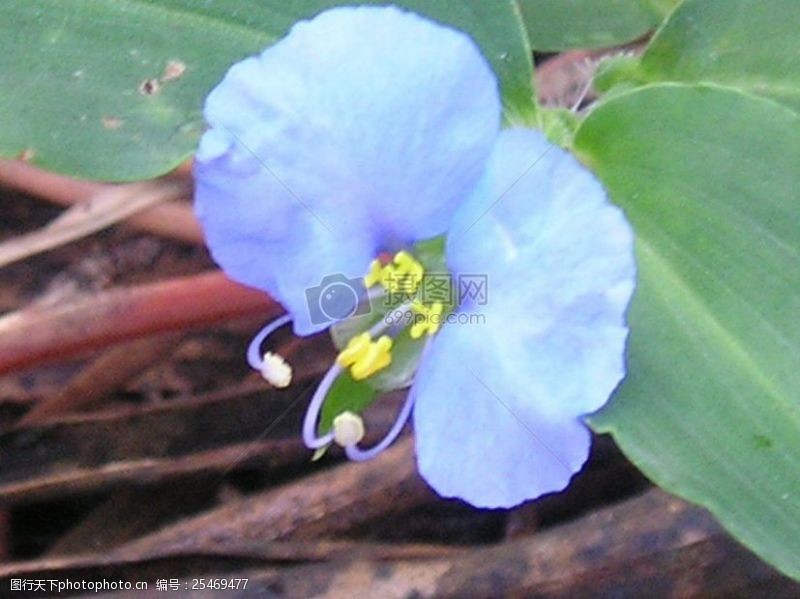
[(367, 130)]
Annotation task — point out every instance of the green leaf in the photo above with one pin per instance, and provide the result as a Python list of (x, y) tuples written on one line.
[(113, 89), (346, 394), (558, 125), (748, 44), (663, 7), (567, 24), (430, 253), (617, 73), (710, 408)]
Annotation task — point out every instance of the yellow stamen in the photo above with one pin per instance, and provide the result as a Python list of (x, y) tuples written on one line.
[(408, 264), (377, 357), (417, 330), (365, 357), (402, 276), (418, 307), (428, 319), (389, 278), (373, 277), (355, 348), (409, 272)]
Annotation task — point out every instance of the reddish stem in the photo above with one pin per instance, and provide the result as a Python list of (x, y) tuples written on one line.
[(170, 219), (35, 335)]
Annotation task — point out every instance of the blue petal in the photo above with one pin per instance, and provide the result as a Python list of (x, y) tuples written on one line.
[(360, 131), (480, 439), (499, 400)]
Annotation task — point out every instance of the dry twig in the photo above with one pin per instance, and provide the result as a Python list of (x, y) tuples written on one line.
[(36, 335), (105, 208), (103, 376), (174, 220), (322, 504)]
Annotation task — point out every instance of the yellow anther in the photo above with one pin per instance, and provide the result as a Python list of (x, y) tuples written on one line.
[(408, 272), (365, 357), (407, 262), (388, 278), (418, 329), (374, 276), (418, 307), (402, 276), (354, 349), (398, 280), (428, 319), (377, 357)]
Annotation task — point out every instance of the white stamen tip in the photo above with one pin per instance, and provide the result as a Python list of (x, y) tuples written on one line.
[(276, 371), (348, 429)]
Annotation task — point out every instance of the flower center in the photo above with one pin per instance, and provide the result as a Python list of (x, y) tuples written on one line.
[(401, 280), (410, 295)]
